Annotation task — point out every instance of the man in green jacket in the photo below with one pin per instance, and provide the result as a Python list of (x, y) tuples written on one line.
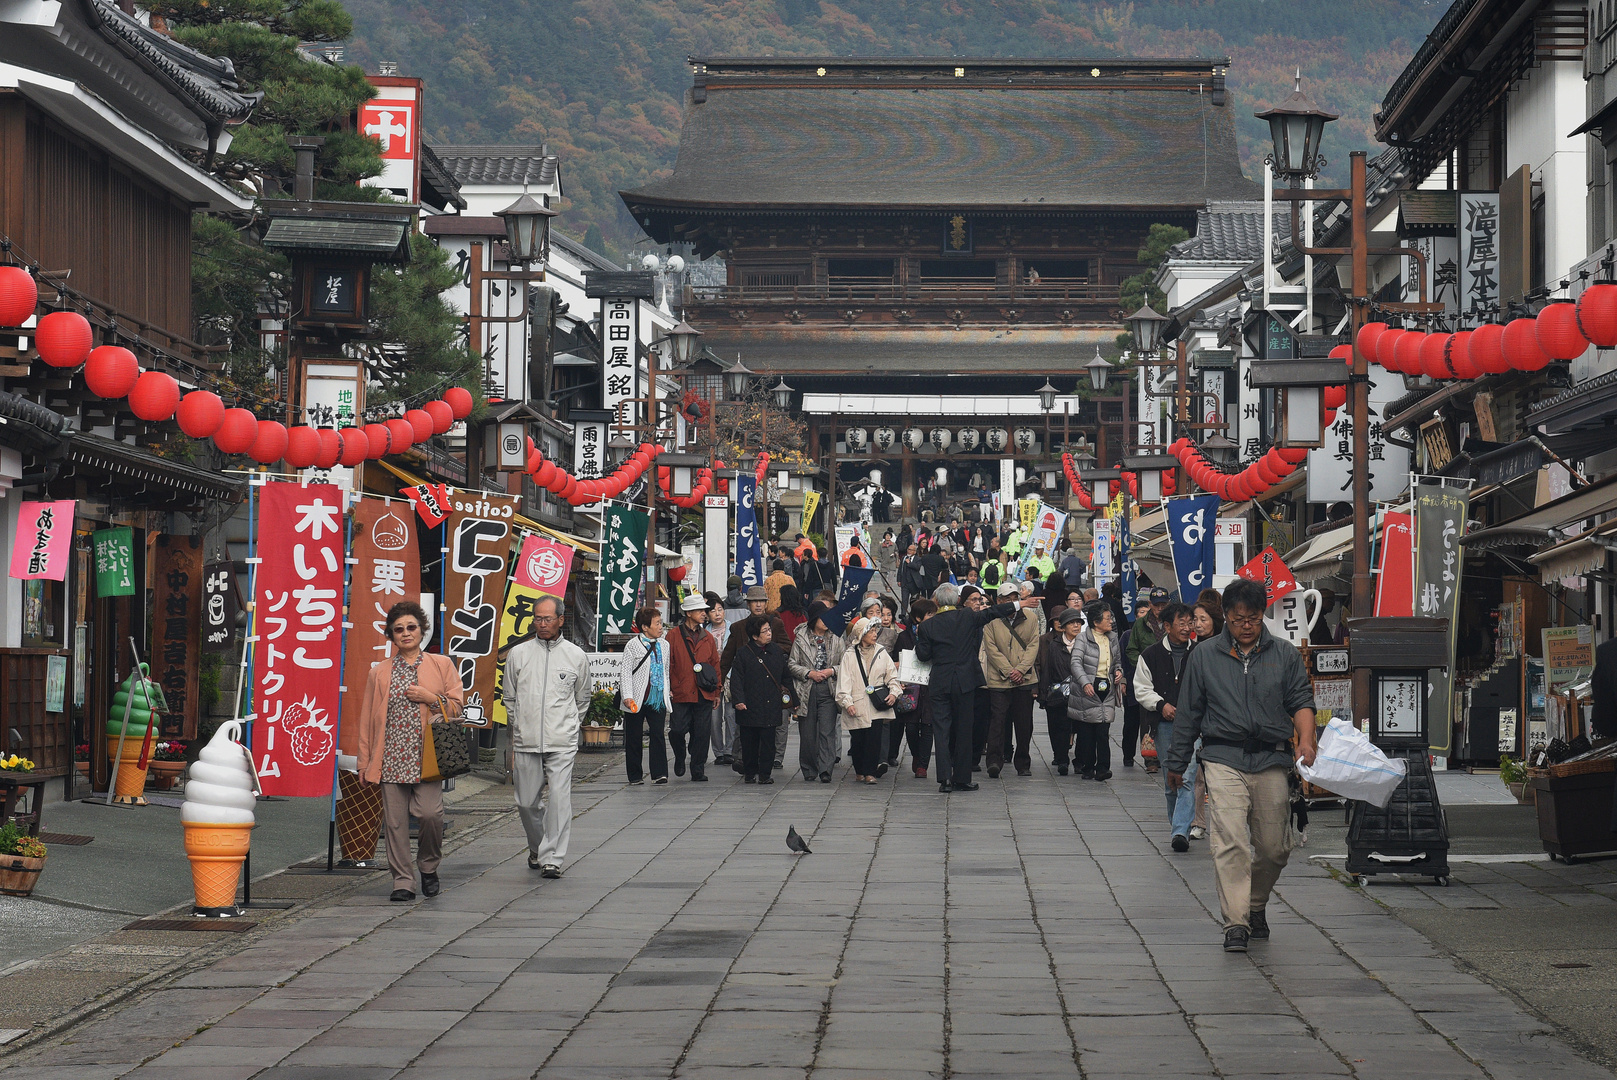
[(1148, 628)]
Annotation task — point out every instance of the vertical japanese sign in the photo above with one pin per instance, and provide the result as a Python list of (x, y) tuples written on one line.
[(1101, 567), (479, 540), (1027, 510), (177, 629), (541, 569), (1440, 513), (620, 338), (42, 546), (1479, 250), (811, 505), (1192, 534), (749, 552), (114, 561), (386, 569), (218, 606), (298, 627), (622, 555), (1395, 584), (1330, 468), (1128, 576), (1007, 485)]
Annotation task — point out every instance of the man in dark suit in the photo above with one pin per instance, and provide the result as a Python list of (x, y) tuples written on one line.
[(951, 641), (1603, 717)]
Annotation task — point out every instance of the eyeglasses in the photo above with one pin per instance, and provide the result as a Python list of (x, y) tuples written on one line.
[(546, 618), (404, 628), (1248, 619)]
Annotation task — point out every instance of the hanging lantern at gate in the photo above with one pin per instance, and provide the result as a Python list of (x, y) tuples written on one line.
[(884, 439), (998, 440), (856, 438), (970, 438), (1024, 437), (940, 438)]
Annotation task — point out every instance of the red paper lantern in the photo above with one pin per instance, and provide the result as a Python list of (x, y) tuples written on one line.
[(1460, 361), (111, 371), (1521, 346), (1487, 348), (443, 416), (1368, 335), (569, 490), (1330, 418), (380, 438), (1343, 353), (459, 400), (1335, 397), (1597, 314), (535, 459), (237, 432), (201, 414), (356, 446), (1293, 454), (155, 397), (420, 423), (1434, 356), (545, 473), (403, 434), (270, 445), (1407, 352), (1387, 347), (19, 296), (1557, 331), (302, 447), (63, 339), (330, 448)]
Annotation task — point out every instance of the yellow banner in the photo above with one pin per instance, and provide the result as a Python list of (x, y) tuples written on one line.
[(811, 503), (542, 568), (1029, 510)]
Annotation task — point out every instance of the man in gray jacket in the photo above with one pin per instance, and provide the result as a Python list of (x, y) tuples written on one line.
[(1245, 693), (546, 692)]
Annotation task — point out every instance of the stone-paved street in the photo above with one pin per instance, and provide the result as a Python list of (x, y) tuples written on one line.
[(1037, 927)]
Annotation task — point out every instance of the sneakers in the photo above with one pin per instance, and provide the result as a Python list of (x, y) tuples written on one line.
[(533, 860), (881, 769), (1259, 923), (1061, 770), (920, 772), (660, 780), (638, 783), (1181, 842), (1198, 833), (825, 777), (1235, 939), (401, 896), (550, 870), (750, 780), (1107, 775), (766, 779)]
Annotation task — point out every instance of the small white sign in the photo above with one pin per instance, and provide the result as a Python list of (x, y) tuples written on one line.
[(912, 670), (716, 502), (1331, 661)]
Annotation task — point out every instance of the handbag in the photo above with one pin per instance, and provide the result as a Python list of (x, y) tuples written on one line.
[(909, 700), (444, 754), (880, 697)]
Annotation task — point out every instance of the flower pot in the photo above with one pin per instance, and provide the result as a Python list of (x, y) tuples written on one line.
[(597, 735), (165, 774), (83, 768), (19, 874)]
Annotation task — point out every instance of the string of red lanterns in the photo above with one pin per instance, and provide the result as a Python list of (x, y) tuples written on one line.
[(575, 492), (1124, 479)]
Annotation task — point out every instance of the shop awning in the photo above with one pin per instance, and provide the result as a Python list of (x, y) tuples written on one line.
[(588, 547), (1578, 556), (1322, 556), (138, 470), (1544, 521)]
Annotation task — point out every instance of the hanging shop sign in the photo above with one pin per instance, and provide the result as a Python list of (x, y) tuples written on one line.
[(114, 561), (749, 549), (431, 502), (1192, 525), (541, 569), (219, 606), (1395, 584), (1479, 250), (177, 629), (478, 537), (1330, 468), (1268, 569), (622, 556), (620, 337), (295, 675), (43, 544), (386, 569)]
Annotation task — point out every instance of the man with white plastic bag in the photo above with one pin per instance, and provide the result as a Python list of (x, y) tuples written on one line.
[(1245, 693)]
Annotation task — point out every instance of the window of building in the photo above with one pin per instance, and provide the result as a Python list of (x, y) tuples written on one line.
[(959, 271), (860, 271), (773, 275), (1056, 271)]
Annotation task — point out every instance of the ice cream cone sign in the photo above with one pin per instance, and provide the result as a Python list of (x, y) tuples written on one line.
[(218, 819)]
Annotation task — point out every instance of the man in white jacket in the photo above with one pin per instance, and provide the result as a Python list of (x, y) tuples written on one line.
[(546, 692)]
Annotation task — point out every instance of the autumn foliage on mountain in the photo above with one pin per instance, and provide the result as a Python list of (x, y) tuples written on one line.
[(603, 81)]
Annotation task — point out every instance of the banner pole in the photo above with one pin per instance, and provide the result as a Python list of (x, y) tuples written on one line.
[(342, 674)]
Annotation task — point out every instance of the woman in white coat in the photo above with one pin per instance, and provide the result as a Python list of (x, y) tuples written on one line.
[(643, 691), (865, 668)]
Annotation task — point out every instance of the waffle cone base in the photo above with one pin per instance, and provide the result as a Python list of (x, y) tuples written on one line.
[(216, 853)]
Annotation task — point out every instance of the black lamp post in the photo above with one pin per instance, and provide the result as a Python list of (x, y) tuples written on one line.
[(1099, 369), (1296, 129), (527, 229)]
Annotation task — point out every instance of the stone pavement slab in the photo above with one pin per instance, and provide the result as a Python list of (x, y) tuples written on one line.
[(1039, 927)]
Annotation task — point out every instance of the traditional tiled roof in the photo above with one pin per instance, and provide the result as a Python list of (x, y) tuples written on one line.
[(499, 164), (438, 187), (955, 134), (207, 82), (1230, 232)]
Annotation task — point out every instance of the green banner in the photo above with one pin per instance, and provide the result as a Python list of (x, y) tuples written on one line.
[(114, 561), (622, 557)]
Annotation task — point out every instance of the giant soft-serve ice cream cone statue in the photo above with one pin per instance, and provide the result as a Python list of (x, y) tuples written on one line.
[(218, 819)]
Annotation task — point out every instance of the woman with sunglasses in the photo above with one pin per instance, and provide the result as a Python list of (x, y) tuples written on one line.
[(403, 696)]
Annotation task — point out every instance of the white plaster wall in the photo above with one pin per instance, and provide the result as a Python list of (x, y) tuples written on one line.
[(1539, 113)]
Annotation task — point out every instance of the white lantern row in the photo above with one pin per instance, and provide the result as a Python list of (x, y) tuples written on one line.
[(941, 439)]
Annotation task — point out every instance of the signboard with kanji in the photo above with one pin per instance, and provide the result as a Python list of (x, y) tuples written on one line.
[(177, 629), (1330, 468)]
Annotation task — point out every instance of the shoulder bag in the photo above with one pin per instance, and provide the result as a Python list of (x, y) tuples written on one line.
[(788, 691), (707, 678), (880, 697)]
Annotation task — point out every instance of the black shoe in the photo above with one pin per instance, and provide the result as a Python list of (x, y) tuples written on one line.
[(429, 885), (660, 780), (533, 858), (679, 765), (738, 766), (825, 777), (1181, 842), (1107, 775), (967, 787), (1128, 763), (993, 772), (1024, 772), (945, 787), (1088, 774), (402, 896), (766, 779), (1061, 770), (750, 780), (698, 777), (1259, 923), (838, 761), (1235, 939), (892, 763)]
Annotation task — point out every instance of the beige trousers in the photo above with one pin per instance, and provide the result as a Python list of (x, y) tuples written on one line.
[(426, 802), (1248, 814)]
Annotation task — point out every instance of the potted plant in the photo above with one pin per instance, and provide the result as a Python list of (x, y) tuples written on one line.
[(15, 766), (167, 764), (22, 857), (602, 715), (81, 759), (1513, 774)]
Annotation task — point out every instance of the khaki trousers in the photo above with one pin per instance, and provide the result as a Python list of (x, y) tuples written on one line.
[(426, 802), (1247, 815)]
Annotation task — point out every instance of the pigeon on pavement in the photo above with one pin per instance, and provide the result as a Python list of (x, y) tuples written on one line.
[(796, 842)]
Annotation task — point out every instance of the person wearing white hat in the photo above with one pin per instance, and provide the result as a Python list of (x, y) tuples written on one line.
[(867, 687), (693, 685)]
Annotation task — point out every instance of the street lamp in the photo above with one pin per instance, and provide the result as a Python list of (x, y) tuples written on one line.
[(736, 379), (527, 229), (684, 338), (1098, 368), (1296, 129), (1047, 397), (1146, 326), (782, 395)]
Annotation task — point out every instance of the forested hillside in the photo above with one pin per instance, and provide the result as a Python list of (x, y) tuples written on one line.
[(603, 81)]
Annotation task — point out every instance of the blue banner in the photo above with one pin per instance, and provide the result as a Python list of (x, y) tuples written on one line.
[(855, 582), (1128, 573), (1192, 526), (749, 550)]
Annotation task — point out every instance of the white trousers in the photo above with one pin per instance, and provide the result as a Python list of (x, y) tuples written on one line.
[(544, 787)]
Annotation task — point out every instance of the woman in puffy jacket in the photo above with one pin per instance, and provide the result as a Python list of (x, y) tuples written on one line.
[(865, 667), (1097, 680)]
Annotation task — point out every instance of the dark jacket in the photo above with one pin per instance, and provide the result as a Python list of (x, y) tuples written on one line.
[(1054, 668), (934, 571), (738, 639), (756, 681), (1156, 682), (1225, 699), (951, 642), (1604, 716), (683, 655)]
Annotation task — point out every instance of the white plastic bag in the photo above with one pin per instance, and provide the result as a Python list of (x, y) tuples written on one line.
[(1349, 764)]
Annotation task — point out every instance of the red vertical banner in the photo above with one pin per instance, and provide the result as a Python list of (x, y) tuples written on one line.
[(298, 626), (1395, 584), (386, 569)]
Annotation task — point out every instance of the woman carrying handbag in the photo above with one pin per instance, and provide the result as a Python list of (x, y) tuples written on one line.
[(761, 688), (403, 696), (867, 689), (643, 691), (1097, 680)]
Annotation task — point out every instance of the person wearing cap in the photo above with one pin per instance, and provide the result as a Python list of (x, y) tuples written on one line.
[(1149, 628), (757, 602), (694, 687), (1041, 561), (867, 688), (1055, 682), (1010, 652), (813, 661)]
